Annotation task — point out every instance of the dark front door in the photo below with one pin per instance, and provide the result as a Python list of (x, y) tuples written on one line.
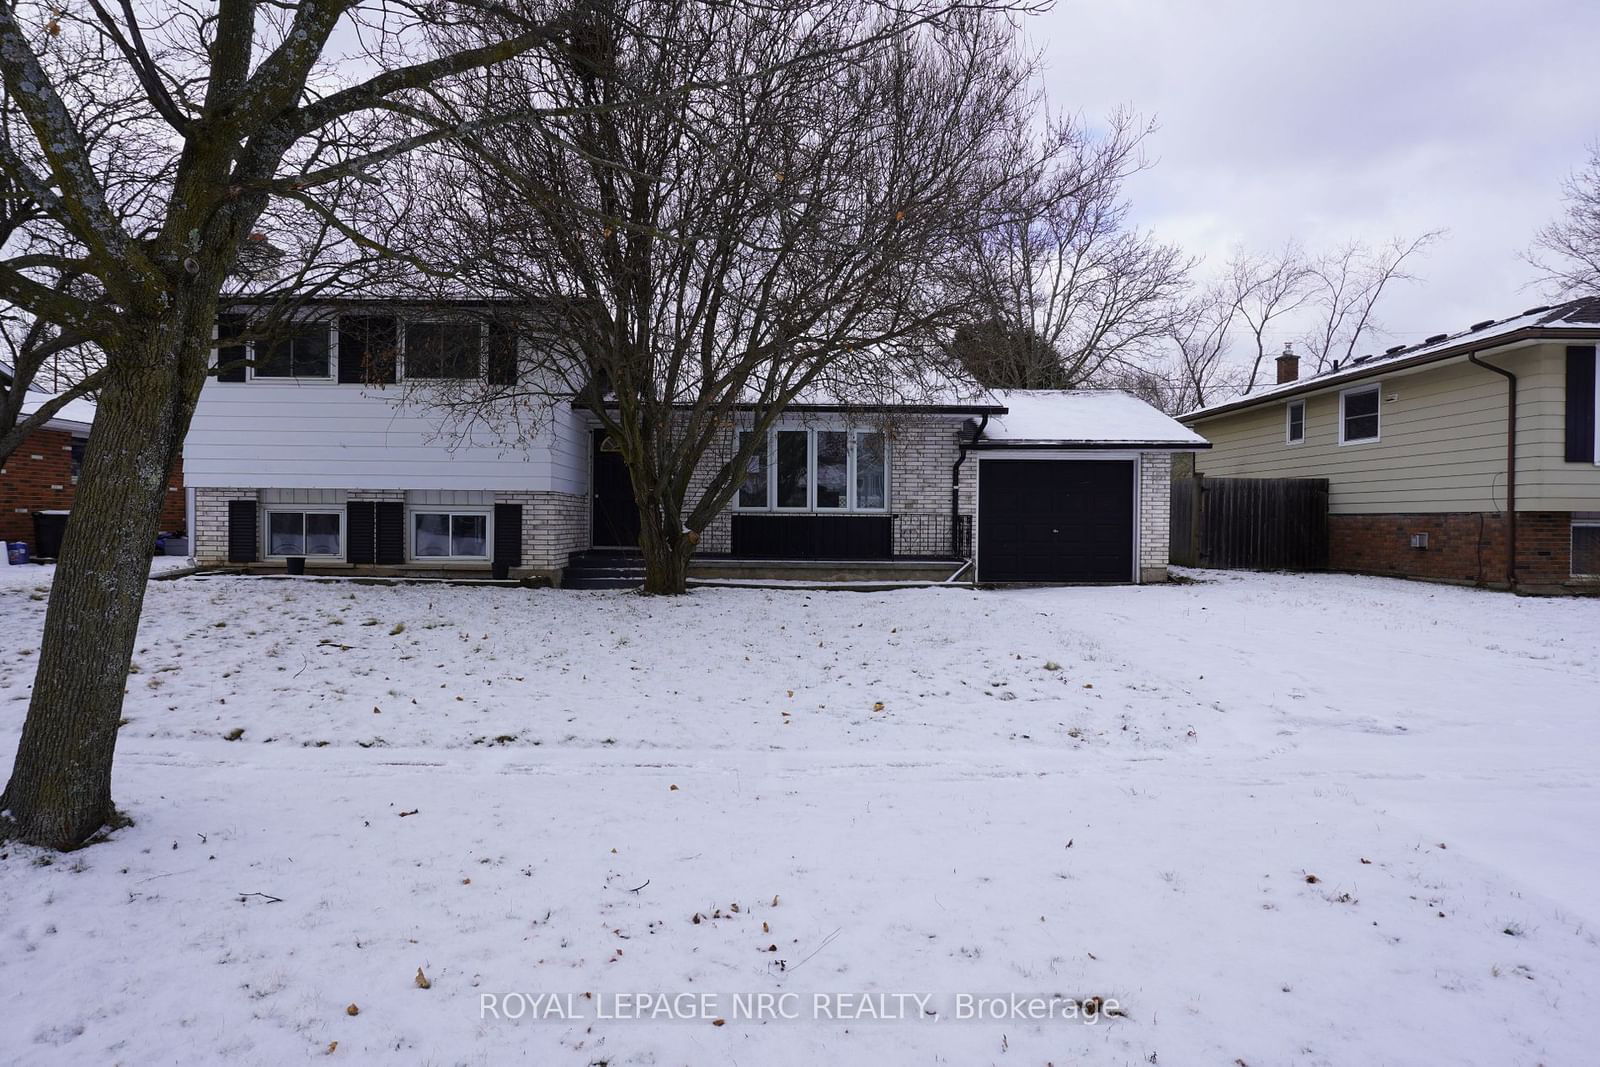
[(616, 516), (1046, 520)]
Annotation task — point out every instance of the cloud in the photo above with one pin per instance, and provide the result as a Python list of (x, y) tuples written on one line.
[(1357, 120)]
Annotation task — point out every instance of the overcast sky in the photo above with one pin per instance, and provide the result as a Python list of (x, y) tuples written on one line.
[(1345, 119)]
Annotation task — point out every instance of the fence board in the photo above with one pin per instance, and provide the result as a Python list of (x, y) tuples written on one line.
[(1250, 523)]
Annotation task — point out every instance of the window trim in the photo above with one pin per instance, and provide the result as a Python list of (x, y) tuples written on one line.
[(1288, 422), (269, 510), (1580, 521), (452, 510), (403, 361), (333, 361), (1375, 388), (852, 507)]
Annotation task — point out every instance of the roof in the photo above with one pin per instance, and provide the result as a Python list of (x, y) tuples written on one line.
[(75, 414), (1093, 418), (1574, 318)]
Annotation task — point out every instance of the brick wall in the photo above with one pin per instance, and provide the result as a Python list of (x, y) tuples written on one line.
[(38, 477), (1155, 515), (1463, 546), (209, 540), (554, 525)]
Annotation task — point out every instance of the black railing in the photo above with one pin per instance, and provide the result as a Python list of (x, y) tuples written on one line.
[(814, 536)]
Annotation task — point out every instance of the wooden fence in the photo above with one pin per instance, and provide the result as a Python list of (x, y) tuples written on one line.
[(1250, 523)]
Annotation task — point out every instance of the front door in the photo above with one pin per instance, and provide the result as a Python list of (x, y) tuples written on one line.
[(616, 516)]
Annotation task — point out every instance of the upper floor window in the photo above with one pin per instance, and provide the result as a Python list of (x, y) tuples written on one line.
[(303, 354), (1295, 422), (817, 470), (443, 350), (1358, 414)]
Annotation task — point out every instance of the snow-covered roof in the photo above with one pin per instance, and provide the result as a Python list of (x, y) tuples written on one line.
[(1579, 316), (1095, 417), (75, 414)]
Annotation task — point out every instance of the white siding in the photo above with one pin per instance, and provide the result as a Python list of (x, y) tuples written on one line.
[(328, 436)]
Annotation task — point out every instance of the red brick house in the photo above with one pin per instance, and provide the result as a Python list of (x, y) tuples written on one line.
[(42, 474), (1472, 457)]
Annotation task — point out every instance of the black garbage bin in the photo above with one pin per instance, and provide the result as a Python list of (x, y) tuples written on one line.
[(295, 564), (49, 527)]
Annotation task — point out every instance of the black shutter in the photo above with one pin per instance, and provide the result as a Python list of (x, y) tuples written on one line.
[(367, 348), (230, 358), (361, 531), (502, 355), (508, 534), (1580, 403), (242, 531), (391, 548)]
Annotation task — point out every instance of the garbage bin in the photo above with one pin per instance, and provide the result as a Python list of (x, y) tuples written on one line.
[(49, 527), (295, 564), (16, 552)]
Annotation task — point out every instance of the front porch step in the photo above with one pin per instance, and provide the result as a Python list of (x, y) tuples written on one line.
[(603, 570)]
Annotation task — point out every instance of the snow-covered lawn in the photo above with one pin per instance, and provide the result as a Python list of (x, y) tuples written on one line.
[(1276, 819)]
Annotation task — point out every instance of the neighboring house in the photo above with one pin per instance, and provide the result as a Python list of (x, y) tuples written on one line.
[(301, 450), (42, 474), (1470, 457)]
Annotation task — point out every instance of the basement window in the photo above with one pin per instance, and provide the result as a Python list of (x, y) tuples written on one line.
[(1586, 545), (305, 533), (450, 535), (1358, 415)]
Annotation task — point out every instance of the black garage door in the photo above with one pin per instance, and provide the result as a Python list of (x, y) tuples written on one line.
[(1049, 520)]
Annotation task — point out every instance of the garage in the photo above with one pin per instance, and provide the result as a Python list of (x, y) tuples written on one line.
[(1056, 520)]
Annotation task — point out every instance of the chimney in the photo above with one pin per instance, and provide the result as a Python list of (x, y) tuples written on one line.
[(1288, 365)]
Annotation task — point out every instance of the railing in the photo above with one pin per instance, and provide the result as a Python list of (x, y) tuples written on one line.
[(823, 536)]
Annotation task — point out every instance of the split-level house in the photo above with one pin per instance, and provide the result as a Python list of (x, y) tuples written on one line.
[(307, 448), (1471, 457)]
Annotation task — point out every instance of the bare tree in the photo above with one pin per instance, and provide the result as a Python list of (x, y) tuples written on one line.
[(701, 276), (1265, 289), (1567, 251), (218, 114), (1346, 286), (1068, 288)]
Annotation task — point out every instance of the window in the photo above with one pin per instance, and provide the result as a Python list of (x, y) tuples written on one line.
[(76, 456), (442, 349), (794, 474), (1295, 425), (753, 493), (833, 469), (305, 533), (1358, 415), (449, 535), (818, 470), (1586, 545), (304, 355)]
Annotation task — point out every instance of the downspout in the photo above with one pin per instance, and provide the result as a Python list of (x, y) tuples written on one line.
[(955, 481), (1511, 464)]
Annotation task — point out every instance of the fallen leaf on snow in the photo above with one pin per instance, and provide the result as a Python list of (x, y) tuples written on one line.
[(422, 980)]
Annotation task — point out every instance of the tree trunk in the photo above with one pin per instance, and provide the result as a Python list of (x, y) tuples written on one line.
[(666, 556), (60, 788)]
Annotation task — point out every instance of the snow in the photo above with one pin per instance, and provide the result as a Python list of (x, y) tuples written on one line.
[(78, 411), (1088, 416), (1079, 792)]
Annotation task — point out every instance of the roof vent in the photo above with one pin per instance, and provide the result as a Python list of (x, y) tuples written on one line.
[(1480, 325), (1392, 351), (1535, 311), (1436, 338)]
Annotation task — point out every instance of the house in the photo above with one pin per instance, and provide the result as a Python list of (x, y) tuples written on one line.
[(1470, 457), (311, 448), (42, 474)]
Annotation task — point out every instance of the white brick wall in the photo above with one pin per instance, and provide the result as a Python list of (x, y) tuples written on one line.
[(1155, 506), (554, 525)]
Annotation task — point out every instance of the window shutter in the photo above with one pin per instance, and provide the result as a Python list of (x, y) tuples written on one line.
[(502, 354), (361, 531), (242, 531), (1580, 403), (230, 358), (391, 539), (368, 345), (508, 534)]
